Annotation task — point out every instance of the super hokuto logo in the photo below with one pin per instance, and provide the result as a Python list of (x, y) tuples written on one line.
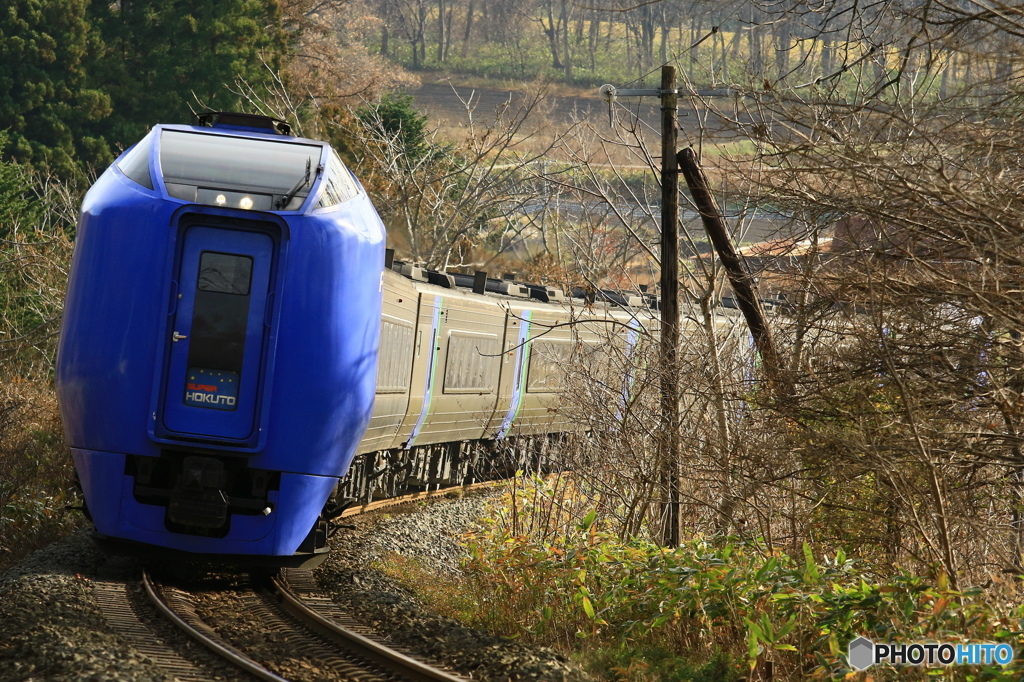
[(211, 388)]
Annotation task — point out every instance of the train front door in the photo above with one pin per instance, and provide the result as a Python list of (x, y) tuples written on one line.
[(217, 334)]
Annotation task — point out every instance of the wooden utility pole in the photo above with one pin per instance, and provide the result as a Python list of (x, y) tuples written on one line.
[(741, 281), (668, 439), (669, 449)]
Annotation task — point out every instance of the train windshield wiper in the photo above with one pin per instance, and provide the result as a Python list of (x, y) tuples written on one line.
[(304, 181)]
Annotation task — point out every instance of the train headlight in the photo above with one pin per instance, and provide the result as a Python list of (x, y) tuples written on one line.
[(247, 201)]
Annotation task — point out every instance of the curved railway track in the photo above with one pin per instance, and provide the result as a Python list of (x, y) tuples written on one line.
[(309, 625), (123, 612)]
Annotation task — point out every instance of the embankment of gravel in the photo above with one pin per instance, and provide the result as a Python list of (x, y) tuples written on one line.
[(429, 535)]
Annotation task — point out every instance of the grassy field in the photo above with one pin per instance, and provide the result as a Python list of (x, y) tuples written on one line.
[(576, 121)]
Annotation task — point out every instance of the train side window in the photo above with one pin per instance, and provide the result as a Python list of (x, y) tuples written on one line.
[(392, 360), (549, 361), (135, 162), (470, 366), (340, 185)]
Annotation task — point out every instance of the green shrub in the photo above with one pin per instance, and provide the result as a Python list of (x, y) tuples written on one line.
[(19, 205), (714, 601)]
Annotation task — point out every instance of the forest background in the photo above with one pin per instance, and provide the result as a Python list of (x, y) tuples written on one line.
[(873, 488)]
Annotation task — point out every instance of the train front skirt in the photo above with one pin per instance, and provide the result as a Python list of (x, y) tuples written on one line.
[(275, 530)]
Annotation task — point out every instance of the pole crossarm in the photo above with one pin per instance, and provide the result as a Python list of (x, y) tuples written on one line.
[(635, 92), (609, 93)]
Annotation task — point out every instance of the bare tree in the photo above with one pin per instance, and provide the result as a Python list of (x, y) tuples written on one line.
[(892, 152), (903, 149), (330, 61), (554, 19), (446, 199)]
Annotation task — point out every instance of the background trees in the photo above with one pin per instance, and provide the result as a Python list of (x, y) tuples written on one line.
[(892, 152), (82, 78), (48, 103), (161, 59), (910, 397), (901, 174)]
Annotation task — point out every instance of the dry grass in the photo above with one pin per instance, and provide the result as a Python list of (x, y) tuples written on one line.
[(37, 479)]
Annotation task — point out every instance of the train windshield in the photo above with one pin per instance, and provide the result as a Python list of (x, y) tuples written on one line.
[(135, 162), (237, 172)]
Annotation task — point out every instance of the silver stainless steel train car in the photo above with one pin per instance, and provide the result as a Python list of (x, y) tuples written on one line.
[(462, 370)]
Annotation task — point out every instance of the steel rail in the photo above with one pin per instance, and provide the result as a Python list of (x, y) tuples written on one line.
[(359, 645), (422, 495), (210, 641), (406, 667)]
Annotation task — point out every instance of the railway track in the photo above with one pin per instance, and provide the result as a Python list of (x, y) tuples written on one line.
[(314, 637), (178, 607), (122, 612)]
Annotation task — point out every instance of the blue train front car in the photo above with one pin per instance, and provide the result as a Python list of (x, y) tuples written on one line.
[(218, 351)]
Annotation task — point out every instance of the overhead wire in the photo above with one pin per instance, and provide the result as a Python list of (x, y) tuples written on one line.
[(674, 58)]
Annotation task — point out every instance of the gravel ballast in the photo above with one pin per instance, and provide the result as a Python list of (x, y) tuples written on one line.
[(50, 626)]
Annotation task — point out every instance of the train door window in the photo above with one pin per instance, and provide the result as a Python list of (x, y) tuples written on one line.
[(219, 322), (224, 273)]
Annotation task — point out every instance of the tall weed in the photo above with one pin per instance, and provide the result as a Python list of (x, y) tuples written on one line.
[(37, 480)]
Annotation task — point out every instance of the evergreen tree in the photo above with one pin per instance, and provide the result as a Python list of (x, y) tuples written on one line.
[(394, 116), (167, 57), (46, 102), (82, 76)]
